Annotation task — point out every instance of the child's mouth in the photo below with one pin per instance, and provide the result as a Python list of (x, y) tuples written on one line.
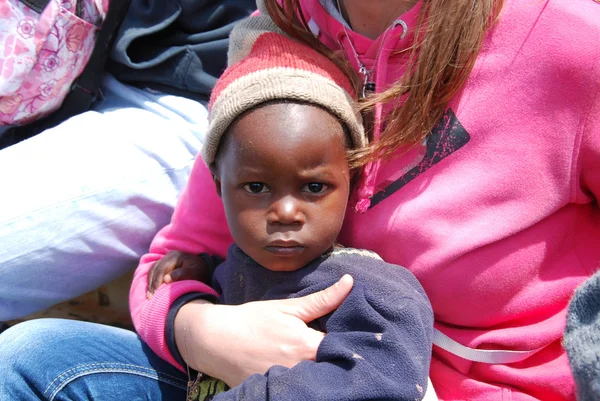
[(285, 250)]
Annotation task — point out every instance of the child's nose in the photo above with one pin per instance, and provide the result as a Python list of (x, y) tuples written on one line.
[(287, 210)]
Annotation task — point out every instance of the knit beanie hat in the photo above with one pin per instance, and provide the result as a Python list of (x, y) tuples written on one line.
[(582, 338), (277, 67)]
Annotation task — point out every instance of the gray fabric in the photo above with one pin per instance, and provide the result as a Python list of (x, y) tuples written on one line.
[(582, 338), (176, 46), (332, 9)]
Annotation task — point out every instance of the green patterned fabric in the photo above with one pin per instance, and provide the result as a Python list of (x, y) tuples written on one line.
[(204, 388)]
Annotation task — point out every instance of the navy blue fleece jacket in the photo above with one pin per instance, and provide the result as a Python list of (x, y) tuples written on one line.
[(176, 46), (378, 342)]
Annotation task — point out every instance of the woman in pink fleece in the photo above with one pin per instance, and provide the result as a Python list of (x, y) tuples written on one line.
[(486, 184), (484, 181)]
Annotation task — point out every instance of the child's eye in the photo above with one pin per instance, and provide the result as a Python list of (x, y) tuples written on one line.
[(255, 187), (315, 187)]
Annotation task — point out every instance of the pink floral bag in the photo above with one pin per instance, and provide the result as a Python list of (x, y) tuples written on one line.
[(45, 45)]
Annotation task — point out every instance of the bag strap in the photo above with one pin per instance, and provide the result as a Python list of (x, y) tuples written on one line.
[(480, 355), (36, 5), (85, 90)]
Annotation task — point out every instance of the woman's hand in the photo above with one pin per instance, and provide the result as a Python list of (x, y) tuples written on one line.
[(233, 342)]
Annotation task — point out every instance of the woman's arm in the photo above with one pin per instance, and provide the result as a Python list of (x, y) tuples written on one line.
[(232, 343)]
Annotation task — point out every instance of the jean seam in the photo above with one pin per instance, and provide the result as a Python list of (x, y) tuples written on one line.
[(63, 379), (103, 365)]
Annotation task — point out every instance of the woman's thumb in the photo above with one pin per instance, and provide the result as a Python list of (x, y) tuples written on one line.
[(313, 306)]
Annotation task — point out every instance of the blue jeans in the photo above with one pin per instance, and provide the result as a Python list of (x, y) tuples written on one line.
[(54, 359), (81, 202)]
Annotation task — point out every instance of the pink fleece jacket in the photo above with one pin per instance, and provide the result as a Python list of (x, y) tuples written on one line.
[(496, 214)]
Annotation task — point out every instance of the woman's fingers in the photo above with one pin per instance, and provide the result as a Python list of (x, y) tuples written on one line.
[(233, 342), (314, 306), (312, 340)]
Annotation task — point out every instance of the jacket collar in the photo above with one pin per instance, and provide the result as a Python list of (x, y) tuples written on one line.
[(327, 22)]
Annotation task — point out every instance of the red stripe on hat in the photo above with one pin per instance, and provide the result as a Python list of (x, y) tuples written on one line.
[(272, 50)]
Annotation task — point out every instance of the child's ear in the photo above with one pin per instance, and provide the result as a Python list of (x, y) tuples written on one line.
[(217, 184), (354, 176), (214, 172)]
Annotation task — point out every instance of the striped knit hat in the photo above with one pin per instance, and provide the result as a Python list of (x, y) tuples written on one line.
[(277, 67)]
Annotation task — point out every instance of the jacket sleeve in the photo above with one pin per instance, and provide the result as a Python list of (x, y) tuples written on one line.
[(197, 225), (378, 346)]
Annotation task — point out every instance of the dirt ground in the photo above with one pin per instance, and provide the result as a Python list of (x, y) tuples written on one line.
[(107, 304)]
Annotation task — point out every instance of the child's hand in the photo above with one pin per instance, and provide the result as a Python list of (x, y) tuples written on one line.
[(177, 266)]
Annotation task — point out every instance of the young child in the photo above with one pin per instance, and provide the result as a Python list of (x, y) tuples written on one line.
[(282, 127)]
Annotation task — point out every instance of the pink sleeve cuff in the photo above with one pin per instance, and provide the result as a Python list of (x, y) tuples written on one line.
[(152, 320)]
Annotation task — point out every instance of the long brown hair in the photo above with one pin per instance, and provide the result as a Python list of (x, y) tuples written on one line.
[(449, 37)]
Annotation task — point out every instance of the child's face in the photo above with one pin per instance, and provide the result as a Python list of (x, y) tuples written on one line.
[(283, 176)]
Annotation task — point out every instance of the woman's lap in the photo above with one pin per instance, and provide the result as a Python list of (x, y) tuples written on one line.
[(81, 202), (52, 359)]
